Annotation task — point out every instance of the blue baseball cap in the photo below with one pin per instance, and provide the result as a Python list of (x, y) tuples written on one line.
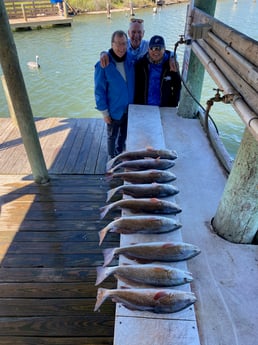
[(157, 41)]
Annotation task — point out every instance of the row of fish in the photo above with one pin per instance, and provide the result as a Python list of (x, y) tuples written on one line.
[(150, 280)]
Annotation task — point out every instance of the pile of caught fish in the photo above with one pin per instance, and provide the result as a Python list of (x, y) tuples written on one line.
[(149, 285)]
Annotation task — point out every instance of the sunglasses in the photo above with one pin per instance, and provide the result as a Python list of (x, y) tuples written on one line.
[(134, 20), (156, 48)]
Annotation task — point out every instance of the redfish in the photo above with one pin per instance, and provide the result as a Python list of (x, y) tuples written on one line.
[(140, 224), (153, 251), (153, 190), (145, 275), (146, 176), (152, 205), (144, 164), (140, 154), (153, 300)]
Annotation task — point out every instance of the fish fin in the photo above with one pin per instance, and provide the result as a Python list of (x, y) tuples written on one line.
[(108, 255), (139, 260), (101, 296), (142, 261), (102, 274)]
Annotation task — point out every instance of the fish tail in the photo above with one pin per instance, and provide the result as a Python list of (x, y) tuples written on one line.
[(110, 163), (108, 176), (102, 274), (102, 234), (108, 255), (104, 210), (111, 193), (101, 297)]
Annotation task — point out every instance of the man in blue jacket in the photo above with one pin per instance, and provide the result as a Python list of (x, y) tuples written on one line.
[(114, 91)]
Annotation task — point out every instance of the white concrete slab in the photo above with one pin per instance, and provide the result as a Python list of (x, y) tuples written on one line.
[(145, 328)]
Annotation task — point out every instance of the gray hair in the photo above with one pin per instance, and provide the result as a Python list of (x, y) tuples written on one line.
[(119, 33)]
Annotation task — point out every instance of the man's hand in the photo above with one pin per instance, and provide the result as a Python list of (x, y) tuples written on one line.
[(107, 119), (173, 64), (104, 59)]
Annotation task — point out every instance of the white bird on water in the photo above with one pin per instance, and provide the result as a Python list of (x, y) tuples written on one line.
[(34, 64)]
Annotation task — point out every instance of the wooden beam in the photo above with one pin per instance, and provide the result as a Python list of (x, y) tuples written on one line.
[(19, 97)]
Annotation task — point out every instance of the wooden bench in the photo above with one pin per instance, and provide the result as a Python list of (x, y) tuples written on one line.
[(145, 328)]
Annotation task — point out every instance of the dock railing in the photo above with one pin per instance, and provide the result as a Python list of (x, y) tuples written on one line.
[(17, 9), (230, 58)]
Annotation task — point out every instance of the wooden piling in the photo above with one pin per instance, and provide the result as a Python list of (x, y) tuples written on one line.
[(236, 218), (194, 71), (19, 98)]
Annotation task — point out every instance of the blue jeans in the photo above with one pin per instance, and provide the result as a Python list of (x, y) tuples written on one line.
[(117, 132)]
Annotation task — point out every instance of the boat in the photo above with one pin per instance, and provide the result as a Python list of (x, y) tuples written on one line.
[(218, 197)]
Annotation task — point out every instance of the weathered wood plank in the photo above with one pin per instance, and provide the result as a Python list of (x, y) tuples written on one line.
[(10, 340), (70, 146), (34, 290), (48, 261), (54, 326)]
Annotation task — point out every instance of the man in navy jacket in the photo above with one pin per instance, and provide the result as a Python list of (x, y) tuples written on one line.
[(155, 83)]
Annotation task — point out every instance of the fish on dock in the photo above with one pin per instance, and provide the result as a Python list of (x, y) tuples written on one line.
[(140, 154), (153, 251), (144, 164), (148, 275), (149, 224), (153, 300), (146, 176), (148, 205), (152, 190)]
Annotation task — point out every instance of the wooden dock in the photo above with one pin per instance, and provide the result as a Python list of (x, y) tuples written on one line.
[(70, 146), (49, 237), (35, 14), (49, 243), (39, 22)]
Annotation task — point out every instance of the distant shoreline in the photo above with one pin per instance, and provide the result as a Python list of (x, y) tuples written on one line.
[(127, 9)]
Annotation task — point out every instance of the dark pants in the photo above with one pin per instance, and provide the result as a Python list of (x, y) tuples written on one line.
[(117, 132)]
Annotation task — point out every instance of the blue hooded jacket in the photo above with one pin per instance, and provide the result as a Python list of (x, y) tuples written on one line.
[(112, 92)]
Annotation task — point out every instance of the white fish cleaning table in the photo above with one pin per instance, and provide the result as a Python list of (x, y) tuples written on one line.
[(140, 327)]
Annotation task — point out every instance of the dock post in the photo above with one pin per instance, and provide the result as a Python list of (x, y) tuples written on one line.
[(194, 70), (24, 12), (20, 101), (131, 8), (236, 218), (108, 9)]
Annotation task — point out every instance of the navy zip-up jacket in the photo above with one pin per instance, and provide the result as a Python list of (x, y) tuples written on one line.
[(170, 83)]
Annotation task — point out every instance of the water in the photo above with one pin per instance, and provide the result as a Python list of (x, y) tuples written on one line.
[(63, 86)]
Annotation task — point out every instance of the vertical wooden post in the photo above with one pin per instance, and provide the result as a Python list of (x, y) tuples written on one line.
[(20, 101), (193, 77), (131, 8), (65, 9), (237, 216), (24, 12), (108, 9)]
